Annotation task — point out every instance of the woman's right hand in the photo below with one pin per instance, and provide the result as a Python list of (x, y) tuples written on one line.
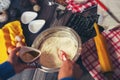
[(69, 69)]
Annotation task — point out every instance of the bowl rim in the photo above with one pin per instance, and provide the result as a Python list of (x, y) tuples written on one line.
[(78, 52)]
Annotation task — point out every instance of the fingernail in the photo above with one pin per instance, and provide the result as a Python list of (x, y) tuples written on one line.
[(63, 55)]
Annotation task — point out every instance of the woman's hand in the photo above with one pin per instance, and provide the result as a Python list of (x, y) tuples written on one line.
[(69, 69), (14, 58)]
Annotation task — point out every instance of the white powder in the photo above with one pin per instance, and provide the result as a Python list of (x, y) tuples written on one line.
[(49, 49)]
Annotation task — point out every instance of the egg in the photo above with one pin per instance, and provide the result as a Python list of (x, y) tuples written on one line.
[(10, 49), (20, 44)]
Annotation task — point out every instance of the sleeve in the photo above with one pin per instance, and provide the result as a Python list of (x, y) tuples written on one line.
[(6, 71), (68, 78)]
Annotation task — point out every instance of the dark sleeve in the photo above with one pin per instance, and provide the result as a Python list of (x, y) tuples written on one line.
[(6, 71), (68, 78)]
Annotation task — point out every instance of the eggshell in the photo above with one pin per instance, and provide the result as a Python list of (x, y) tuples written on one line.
[(28, 16), (36, 25)]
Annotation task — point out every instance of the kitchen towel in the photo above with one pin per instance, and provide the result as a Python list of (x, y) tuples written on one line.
[(78, 7), (90, 58)]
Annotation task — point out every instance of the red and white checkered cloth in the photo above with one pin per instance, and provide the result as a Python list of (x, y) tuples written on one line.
[(77, 7), (90, 58)]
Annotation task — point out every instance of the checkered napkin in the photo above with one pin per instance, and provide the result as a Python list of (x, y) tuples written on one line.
[(90, 58), (77, 7)]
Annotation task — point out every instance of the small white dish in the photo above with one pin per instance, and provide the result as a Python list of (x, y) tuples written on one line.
[(36, 25), (28, 16), (29, 54)]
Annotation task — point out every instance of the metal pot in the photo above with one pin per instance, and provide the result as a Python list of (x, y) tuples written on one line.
[(58, 31)]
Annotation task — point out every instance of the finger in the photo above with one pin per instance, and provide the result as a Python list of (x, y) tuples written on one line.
[(67, 63), (10, 49), (20, 44), (19, 40), (13, 52), (62, 55), (64, 58)]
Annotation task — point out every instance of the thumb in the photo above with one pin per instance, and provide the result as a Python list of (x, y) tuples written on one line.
[(63, 55), (12, 51)]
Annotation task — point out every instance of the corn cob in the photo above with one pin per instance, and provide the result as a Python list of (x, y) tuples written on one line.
[(102, 51)]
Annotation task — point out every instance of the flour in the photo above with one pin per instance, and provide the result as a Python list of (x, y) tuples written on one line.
[(50, 54)]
